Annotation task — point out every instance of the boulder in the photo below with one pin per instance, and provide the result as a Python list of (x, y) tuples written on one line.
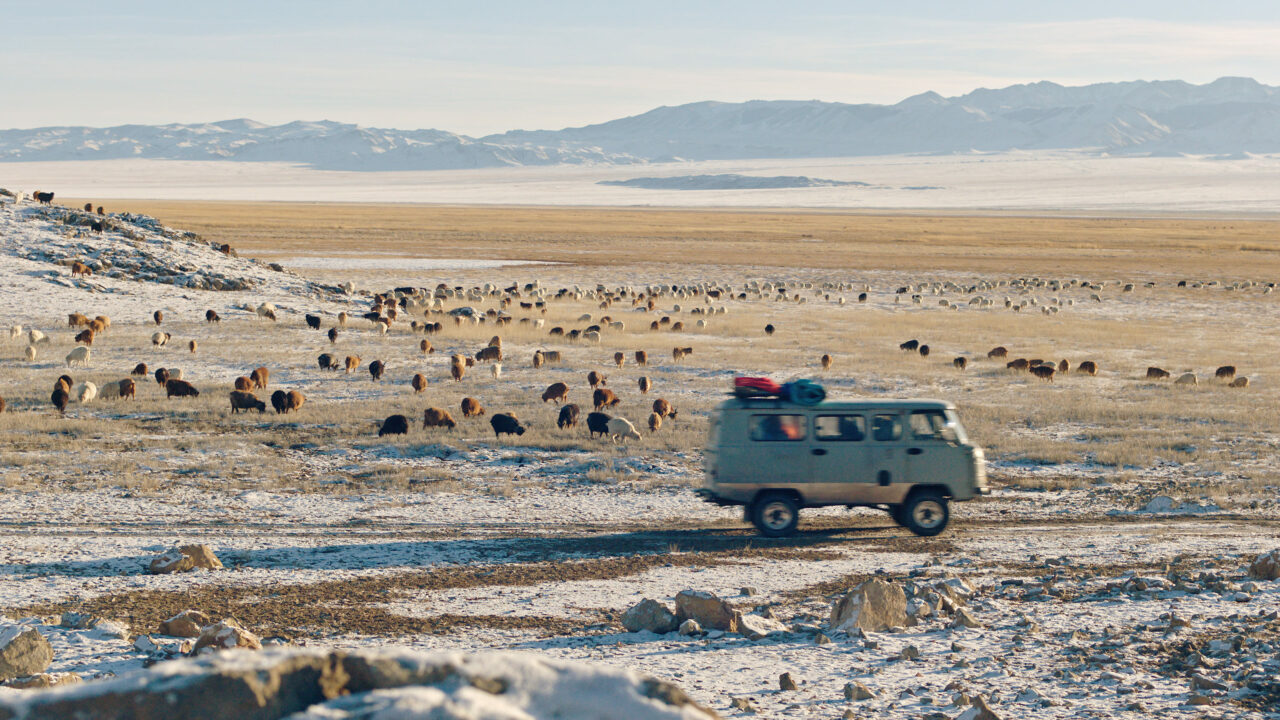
[(874, 605), (182, 559), (755, 627), (39, 681), (1266, 566), (786, 682), (23, 652), (857, 691), (709, 610), (964, 618), (226, 635), (186, 624), (649, 615), (978, 711)]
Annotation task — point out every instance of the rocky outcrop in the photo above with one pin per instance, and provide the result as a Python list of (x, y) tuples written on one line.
[(23, 652), (186, 624), (226, 635), (709, 610), (874, 605), (1266, 566), (649, 615), (185, 558)]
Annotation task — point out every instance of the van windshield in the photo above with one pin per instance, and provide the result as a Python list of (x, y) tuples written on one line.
[(934, 425)]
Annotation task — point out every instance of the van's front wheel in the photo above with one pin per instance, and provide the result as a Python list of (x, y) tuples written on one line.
[(775, 514), (925, 513)]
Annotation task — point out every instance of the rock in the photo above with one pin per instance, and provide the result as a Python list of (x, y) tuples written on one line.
[(709, 610), (755, 627), (23, 652), (743, 705), (186, 624), (111, 629), (649, 615), (1199, 700), (690, 627), (857, 691), (874, 605), (964, 618), (1203, 682), (978, 711), (821, 639), (848, 715), (910, 652), (786, 682), (39, 681), (747, 591), (1266, 566), (226, 635), (1160, 504), (77, 621), (182, 559)]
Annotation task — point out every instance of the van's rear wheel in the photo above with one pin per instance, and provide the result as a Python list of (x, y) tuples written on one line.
[(925, 513), (775, 514)]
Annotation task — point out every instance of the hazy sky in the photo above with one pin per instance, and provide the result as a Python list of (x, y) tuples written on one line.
[(477, 67)]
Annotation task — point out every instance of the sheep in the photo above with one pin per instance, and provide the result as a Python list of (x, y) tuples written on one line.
[(997, 352), (664, 408), (342, 319), (960, 363), (211, 316), (655, 422), (495, 341), (241, 400), (557, 392), (278, 401), (88, 207), (158, 316), (551, 357), (424, 346), (619, 358), (126, 388), (160, 339), (645, 384), (568, 416), (1240, 382), (1044, 372), (351, 363), (394, 425), (538, 359), (621, 429), (80, 269), (266, 311), (293, 400), (435, 417), (31, 353), (244, 384), (471, 407), (313, 321), (1226, 372), (1064, 366), (598, 422), (162, 376), (333, 335), (100, 324), (260, 376), (44, 198), (180, 388), (909, 346), (35, 337), (496, 370), (769, 329), (139, 369), (1186, 379), (596, 378), (457, 370), (79, 356), (603, 398), (923, 350), (419, 383), (327, 362), (1019, 364), (825, 361), (85, 392), (376, 369), (1155, 373), (75, 320), (642, 358), (59, 398), (191, 346), (492, 353), (505, 424), (1088, 367)]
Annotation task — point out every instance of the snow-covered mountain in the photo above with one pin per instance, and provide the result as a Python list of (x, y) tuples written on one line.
[(1229, 116)]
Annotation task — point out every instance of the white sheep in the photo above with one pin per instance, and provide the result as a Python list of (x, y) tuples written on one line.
[(1186, 379), (591, 336), (79, 356), (496, 369), (84, 392), (622, 429), (15, 332), (36, 337), (31, 353), (160, 339)]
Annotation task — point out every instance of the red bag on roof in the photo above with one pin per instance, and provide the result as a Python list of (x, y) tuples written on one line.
[(755, 387)]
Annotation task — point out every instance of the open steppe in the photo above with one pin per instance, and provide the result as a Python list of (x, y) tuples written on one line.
[(452, 539)]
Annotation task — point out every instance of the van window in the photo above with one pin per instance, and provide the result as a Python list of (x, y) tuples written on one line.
[(851, 428), (931, 425), (886, 428), (777, 428)]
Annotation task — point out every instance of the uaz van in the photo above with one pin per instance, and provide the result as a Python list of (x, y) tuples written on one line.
[(773, 456)]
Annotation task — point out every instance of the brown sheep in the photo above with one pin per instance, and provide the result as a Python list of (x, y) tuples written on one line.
[(1226, 372), (664, 408), (424, 346), (128, 389), (259, 378), (333, 335), (538, 359), (351, 363), (997, 352), (457, 370), (960, 363), (595, 379), (191, 346), (180, 388), (677, 327), (655, 422), (419, 382), (655, 326), (603, 398), (619, 358), (79, 268), (471, 407), (1089, 367), (162, 376), (211, 316), (1240, 382), (645, 385), (376, 369), (293, 400), (1044, 372), (65, 381), (1036, 361), (241, 400), (558, 392), (88, 207), (342, 319), (435, 417), (552, 357), (1064, 366), (139, 369), (1155, 373), (59, 399), (568, 416), (244, 384), (77, 320), (85, 336), (492, 353), (495, 341), (825, 361), (158, 316), (99, 324), (1019, 364), (642, 358)]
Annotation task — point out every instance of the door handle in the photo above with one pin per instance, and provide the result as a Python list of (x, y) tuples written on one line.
[(914, 451), (818, 451)]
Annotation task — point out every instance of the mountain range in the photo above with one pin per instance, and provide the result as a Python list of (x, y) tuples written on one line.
[(1227, 117)]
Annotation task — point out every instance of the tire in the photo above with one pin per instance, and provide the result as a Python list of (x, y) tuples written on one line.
[(775, 514), (925, 513), (899, 518)]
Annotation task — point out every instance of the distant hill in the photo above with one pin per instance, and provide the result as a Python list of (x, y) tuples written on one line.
[(1227, 117), (729, 182)]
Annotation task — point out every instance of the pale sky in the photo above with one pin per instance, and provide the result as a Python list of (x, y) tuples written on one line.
[(477, 66)]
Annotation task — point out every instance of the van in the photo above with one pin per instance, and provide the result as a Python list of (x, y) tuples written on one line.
[(774, 457)]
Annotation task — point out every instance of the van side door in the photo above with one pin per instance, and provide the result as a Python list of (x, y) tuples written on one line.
[(887, 449), (774, 450), (933, 453)]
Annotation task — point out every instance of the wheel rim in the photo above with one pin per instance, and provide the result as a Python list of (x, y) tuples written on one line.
[(777, 515), (928, 514)]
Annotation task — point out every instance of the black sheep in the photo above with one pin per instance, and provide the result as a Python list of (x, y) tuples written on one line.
[(506, 424), (394, 425)]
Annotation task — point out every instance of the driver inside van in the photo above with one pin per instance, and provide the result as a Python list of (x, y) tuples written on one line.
[(779, 427)]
